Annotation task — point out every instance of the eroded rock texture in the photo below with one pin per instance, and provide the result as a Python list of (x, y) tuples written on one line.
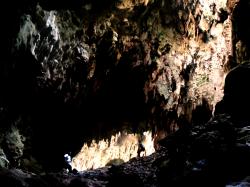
[(82, 69)]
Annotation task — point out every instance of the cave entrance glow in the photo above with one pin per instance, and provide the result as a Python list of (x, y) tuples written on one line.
[(121, 147)]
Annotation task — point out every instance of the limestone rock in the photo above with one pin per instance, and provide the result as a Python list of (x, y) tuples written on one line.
[(4, 162)]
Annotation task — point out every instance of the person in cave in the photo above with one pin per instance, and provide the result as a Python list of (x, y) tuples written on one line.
[(140, 149), (67, 162)]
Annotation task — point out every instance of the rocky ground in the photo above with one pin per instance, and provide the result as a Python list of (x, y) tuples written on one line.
[(216, 154)]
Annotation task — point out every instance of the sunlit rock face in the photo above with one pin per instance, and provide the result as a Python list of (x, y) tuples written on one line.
[(192, 71), (122, 146), (81, 70)]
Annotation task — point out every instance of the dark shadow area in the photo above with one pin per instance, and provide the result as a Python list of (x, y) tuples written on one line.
[(241, 30), (202, 113), (236, 90), (240, 15)]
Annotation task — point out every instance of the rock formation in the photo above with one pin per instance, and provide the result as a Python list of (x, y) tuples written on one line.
[(80, 70)]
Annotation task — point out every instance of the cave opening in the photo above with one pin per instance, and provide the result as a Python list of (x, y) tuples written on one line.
[(97, 80)]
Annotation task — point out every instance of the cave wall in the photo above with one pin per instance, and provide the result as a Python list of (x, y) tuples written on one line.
[(235, 99), (240, 31), (81, 69)]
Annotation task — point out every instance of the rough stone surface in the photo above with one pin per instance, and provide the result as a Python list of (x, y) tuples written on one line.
[(215, 154), (77, 70)]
